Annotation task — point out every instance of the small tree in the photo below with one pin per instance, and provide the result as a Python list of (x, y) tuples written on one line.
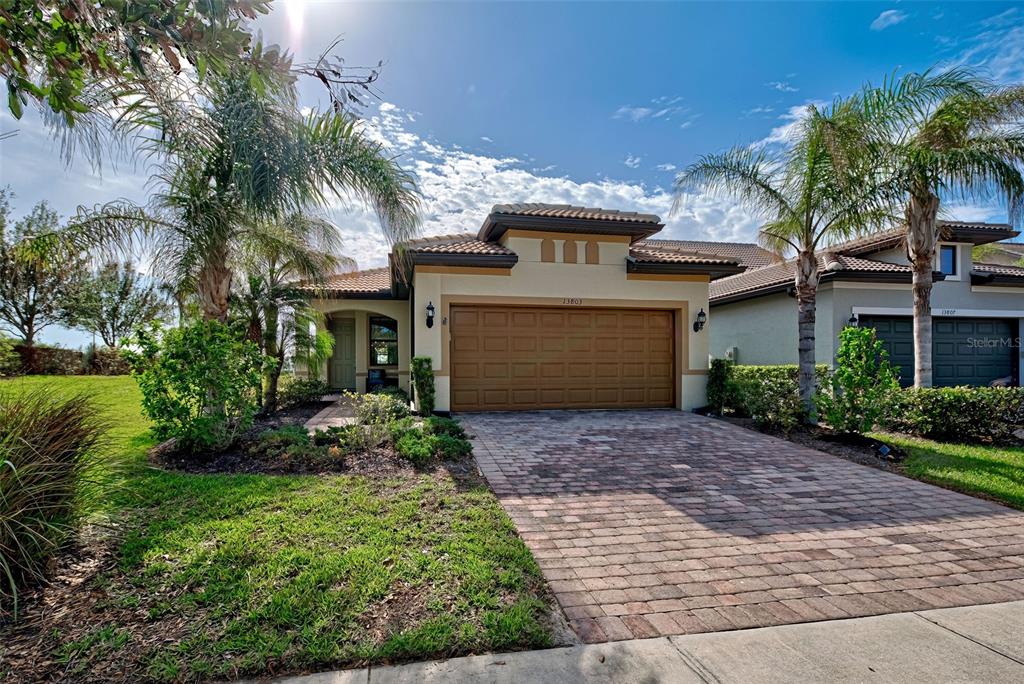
[(856, 395), (116, 301), (200, 384), (35, 284)]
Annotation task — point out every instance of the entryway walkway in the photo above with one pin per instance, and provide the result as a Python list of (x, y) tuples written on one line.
[(654, 523), (974, 644), (337, 414)]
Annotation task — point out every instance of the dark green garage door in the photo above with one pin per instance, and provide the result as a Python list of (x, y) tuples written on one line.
[(965, 351)]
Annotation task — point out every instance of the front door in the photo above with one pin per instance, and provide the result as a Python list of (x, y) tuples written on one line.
[(343, 361)]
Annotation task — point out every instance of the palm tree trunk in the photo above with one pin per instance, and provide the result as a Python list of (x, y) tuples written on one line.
[(922, 236), (806, 301), (270, 347), (214, 285)]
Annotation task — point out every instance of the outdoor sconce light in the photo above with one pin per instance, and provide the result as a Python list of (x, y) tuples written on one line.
[(430, 314), (853, 321), (698, 324)]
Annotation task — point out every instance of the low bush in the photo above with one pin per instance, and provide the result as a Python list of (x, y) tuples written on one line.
[(378, 408), (415, 446), (49, 450), (200, 384), (959, 414), (44, 360), (720, 385), (855, 396), (292, 440), (771, 398), (295, 392), (421, 371), (437, 425), (435, 437)]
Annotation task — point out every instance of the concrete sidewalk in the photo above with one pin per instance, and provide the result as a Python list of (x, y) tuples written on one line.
[(970, 644)]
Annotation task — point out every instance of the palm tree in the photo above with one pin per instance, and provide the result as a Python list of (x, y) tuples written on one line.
[(818, 190), (300, 248), (963, 140), (247, 161)]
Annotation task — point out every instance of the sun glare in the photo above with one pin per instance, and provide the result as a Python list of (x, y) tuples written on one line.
[(295, 10)]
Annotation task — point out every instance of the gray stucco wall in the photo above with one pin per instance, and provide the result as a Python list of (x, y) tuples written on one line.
[(764, 329)]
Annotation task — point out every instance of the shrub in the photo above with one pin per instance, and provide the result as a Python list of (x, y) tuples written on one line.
[(295, 392), (415, 446), (771, 399), (436, 437), (105, 361), (200, 384), (720, 384), (450, 446), (393, 391), (9, 360), (44, 360), (959, 414), (422, 374), (49, 450), (743, 380), (378, 408), (854, 397), (435, 425), (290, 441)]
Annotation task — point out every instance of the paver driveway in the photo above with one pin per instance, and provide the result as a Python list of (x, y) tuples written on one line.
[(648, 523)]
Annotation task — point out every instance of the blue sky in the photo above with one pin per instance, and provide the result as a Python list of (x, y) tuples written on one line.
[(591, 103)]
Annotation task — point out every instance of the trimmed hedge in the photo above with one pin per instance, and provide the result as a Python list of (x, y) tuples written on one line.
[(770, 395), (959, 414)]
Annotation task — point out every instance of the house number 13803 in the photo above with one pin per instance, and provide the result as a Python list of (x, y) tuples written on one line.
[(572, 301)]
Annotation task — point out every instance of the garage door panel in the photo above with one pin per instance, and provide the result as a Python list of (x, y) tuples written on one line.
[(965, 351), (518, 358)]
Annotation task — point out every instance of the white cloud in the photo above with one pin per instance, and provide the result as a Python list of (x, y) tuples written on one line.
[(782, 86), (762, 109), (666, 167), (663, 108), (459, 188), (997, 48), (634, 114), (888, 18), (486, 139), (792, 118), (632, 162)]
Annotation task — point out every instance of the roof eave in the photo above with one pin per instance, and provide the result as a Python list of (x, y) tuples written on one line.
[(996, 279), (826, 276), (495, 225), (715, 271)]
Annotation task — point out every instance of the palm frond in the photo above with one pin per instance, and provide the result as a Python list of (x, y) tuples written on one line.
[(748, 176)]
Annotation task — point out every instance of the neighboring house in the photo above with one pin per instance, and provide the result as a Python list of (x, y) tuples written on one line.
[(546, 306), (1001, 253), (978, 308)]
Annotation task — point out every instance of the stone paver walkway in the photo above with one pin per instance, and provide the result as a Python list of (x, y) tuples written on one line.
[(650, 523), (337, 414)]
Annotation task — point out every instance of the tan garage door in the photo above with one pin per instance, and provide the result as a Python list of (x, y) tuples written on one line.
[(519, 358)]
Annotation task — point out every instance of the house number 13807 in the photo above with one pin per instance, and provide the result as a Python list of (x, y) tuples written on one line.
[(573, 301)]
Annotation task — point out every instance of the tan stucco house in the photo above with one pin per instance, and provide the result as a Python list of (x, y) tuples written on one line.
[(545, 306)]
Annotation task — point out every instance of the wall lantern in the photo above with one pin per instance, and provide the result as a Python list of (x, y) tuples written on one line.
[(702, 318), (853, 321), (430, 314)]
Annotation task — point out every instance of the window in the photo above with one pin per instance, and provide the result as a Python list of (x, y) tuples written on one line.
[(383, 341), (947, 259)]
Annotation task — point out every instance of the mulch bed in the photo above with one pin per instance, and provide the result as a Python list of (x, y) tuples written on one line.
[(239, 459), (859, 449)]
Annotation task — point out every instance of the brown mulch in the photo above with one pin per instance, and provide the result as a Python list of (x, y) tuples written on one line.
[(85, 580), (240, 458), (859, 449)]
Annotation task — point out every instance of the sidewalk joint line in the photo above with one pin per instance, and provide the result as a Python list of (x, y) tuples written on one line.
[(969, 638), (694, 663)]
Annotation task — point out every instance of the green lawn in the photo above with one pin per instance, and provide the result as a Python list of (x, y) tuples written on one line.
[(227, 576), (992, 472)]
